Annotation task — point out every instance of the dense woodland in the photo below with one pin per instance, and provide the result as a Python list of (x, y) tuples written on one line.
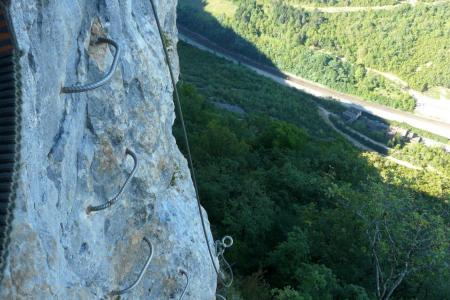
[(321, 3), (411, 41), (344, 2), (312, 217), (336, 49)]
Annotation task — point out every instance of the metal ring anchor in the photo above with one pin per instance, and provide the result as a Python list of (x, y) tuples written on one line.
[(141, 274), (183, 272), (221, 245), (90, 86), (227, 241), (109, 203)]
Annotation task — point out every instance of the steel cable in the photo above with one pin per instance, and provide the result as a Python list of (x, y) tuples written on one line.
[(186, 140)]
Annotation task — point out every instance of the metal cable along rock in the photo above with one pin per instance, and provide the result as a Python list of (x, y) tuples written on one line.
[(90, 86), (10, 111), (109, 203), (186, 141)]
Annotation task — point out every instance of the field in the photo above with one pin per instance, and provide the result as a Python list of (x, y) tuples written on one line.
[(218, 7)]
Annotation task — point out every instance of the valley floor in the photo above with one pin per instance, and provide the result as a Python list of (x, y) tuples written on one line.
[(425, 123), (326, 117)]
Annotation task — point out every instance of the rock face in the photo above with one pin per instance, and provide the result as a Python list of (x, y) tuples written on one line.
[(73, 156)]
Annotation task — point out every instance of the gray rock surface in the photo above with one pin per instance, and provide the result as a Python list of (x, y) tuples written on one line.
[(73, 155)]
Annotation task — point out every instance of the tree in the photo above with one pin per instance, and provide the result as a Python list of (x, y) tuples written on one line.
[(406, 235), (289, 257), (283, 135), (317, 281), (289, 294)]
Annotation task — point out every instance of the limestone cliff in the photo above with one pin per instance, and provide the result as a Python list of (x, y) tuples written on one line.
[(73, 155)]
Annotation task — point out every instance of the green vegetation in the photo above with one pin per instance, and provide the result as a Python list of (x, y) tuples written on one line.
[(382, 137), (257, 96), (319, 3), (423, 156), (336, 49), (421, 132), (410, 41), (224, 7), (366, 142), (347, 3), (312, 217)]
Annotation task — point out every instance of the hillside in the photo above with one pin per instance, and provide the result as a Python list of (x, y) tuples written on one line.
[(347, 3), (356, 5), (361, 53), (308, 211)]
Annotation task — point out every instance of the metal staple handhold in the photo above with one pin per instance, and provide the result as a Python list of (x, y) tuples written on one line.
[(90, 86), (183, 272), (136, 282), (115, 198), (220, 297)]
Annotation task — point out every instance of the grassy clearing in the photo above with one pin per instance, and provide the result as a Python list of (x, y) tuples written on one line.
[(221, 7)]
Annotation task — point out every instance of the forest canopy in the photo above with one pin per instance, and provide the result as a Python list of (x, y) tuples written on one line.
[(312, 217)]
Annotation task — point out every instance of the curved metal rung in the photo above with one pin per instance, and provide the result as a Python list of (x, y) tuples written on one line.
[(90, 86), (136, 282), (109, 203), (183, 272), (220, 297)]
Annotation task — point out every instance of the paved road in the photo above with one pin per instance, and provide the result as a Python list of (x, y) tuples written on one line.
[(435, 126), (326, 117)]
